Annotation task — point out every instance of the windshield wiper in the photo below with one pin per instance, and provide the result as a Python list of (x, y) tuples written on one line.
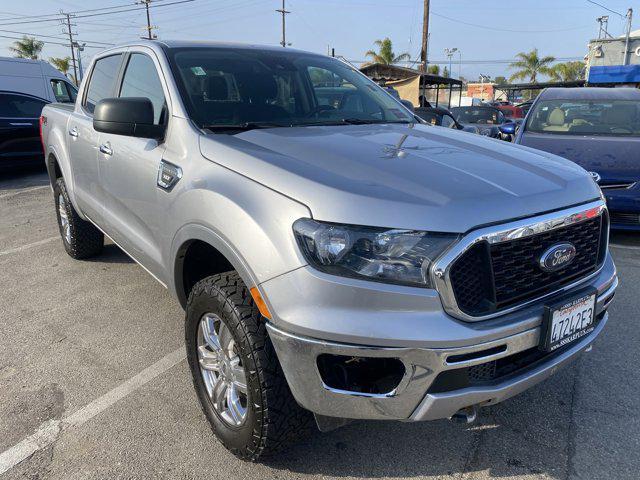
[(245, 126), (349, 121)]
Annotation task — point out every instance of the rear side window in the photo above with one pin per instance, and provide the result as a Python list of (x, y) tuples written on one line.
[(141, 80), (102, 82), (61, 91), (19, 106)]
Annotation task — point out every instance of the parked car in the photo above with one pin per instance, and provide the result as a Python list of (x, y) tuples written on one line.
[(486, 118), (511, 112), (37, 78), (525, 106), (20, 143), (334, 263), (599, 129), (442, 117)]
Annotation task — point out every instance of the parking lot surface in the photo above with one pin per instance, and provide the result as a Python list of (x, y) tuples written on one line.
[(93, 384)]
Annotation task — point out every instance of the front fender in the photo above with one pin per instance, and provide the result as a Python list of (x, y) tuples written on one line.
[(248, 223)]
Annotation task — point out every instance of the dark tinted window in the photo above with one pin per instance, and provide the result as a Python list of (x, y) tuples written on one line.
[(141, 80), (102, 81), (19, 106), (223, 87)]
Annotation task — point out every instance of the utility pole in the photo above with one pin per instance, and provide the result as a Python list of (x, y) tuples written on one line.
[(425, 37), (628, 34), (284, 26), (71, 42), (149, 28)]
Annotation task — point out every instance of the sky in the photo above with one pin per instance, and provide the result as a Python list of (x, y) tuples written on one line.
[(488, 34)]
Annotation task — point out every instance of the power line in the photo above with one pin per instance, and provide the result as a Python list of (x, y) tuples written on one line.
[(473, 62), (487, 27), (47, 42), (38, 35), (101, 13), (607, 8)]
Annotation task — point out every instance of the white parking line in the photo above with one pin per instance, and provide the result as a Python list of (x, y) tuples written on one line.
[(50, 430), (28, 246), (24, 190)]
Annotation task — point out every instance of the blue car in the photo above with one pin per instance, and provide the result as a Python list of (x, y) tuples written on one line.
[(599, 129)]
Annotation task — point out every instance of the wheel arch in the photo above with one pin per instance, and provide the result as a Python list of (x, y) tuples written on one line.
[(198, 252)]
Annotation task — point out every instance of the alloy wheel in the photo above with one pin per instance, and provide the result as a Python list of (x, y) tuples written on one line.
[(222, 370)]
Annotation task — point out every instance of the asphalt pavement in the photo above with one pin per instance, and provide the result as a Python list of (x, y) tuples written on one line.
[(93, 384)]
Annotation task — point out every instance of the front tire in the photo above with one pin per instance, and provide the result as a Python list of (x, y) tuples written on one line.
[(80, 238), (238, 379)]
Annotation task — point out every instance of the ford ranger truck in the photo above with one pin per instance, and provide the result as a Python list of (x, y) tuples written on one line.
[(337, 259)]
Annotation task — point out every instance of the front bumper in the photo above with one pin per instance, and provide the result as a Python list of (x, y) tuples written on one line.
[(624, 207), (411, 399)]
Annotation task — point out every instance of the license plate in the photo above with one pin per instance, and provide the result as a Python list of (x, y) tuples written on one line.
[(568, 321)]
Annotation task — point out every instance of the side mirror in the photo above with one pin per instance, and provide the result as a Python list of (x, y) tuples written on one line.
[(408, 104), (508, 128), (131, 117)]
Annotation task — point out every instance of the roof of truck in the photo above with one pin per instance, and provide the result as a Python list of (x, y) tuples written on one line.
[(591, 93), (210, 44)]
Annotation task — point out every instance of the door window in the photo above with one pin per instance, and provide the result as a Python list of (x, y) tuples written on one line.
[(102, 82), (62, 92), (20, 106), (141, 80)]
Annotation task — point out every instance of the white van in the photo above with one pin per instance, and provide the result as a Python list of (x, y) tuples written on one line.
[(36, 77)]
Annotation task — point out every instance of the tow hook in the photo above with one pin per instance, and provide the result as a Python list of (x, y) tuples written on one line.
[(465, 415)]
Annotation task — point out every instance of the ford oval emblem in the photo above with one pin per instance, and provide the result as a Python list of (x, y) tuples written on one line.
[(558, 256)]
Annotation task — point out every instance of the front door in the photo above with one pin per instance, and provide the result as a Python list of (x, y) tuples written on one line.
[(129, 172), (83, 139)]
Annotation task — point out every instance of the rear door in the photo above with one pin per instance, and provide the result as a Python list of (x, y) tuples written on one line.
[(83, 139), (19, 134), (129, 169)]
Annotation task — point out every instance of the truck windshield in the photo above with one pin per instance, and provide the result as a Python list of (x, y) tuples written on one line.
[(249, 88), (586, 117)]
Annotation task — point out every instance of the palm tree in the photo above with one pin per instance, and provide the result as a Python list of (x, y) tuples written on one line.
[(28, 47), (385, 55), (61, 64), (568, 72), (530, 65)]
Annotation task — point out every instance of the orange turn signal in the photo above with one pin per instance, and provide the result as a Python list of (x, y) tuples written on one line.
[(262, 306)]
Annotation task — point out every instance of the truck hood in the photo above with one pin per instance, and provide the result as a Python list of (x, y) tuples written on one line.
[(615, 159), (403, 176)]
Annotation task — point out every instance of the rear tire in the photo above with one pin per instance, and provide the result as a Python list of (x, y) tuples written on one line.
[(266, 417), (80, 238)]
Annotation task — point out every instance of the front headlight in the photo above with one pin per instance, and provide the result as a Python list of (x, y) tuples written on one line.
[(379, 254)]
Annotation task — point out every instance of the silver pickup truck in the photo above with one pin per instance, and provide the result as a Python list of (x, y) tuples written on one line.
[(337, 259)]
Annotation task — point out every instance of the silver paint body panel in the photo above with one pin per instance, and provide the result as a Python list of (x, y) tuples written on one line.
[(241, 194)]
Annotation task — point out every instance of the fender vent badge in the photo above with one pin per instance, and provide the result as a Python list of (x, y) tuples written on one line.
[(168, 175)]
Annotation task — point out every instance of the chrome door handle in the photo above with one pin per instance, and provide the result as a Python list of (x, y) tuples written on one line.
[(106, 149), (73, 132)]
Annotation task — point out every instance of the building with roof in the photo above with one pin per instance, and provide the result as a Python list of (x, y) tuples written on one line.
[(416, 86), (611, 63)]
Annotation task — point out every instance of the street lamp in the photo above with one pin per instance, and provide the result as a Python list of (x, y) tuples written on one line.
[(80, 48), (449, 53)]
